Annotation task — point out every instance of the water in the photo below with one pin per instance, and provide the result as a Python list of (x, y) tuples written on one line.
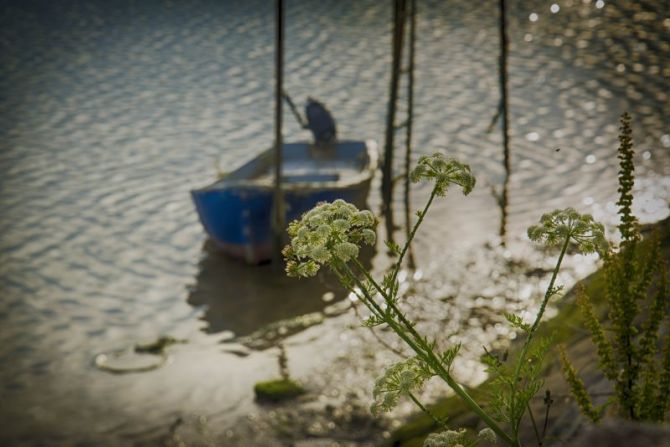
[(112, 111)]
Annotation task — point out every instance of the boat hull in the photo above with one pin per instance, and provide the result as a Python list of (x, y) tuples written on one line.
[(238, 217)]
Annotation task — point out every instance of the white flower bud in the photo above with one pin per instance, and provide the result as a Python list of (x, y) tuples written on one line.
[(487, 434), (341, 225), (345, 251), (320, 254), (323, 231), (369, 236), (316, 220)]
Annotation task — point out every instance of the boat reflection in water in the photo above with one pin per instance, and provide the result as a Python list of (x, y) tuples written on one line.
[(260, 305)]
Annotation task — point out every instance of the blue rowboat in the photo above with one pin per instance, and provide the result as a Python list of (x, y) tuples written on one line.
[(237, 210)]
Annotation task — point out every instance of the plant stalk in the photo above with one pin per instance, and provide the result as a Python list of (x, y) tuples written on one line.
[(419, 346), (425, 410), (536, 323), (412, 234)]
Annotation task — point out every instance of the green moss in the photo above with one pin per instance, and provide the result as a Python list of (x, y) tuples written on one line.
[(277, 390)]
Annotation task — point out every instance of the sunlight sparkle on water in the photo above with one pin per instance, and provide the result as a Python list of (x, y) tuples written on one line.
[(532, 136), (555, 8), (533, 17), (600, 4)]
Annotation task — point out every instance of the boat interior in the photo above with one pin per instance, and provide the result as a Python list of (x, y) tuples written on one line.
[(305, 163)]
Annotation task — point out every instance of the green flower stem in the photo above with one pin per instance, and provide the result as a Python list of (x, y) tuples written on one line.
[(373, 306), (426, 410), (369, 277), (389, 302), (375, 310), (415, 345), (429, 357), (380, 340), (365, 297), (550, 289), (474, 407), (351, 275), (420, 347), (411, 235), (536, 323)]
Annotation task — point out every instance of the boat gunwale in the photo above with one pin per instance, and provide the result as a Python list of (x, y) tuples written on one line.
[(361, 176)]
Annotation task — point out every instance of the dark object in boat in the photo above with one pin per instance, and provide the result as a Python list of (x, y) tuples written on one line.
[(320, 122)]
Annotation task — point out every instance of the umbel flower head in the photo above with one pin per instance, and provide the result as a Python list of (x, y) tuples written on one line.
[(444, 171), (398, 380), (328, 232), (582, 230), (448, 438), (488, 435)]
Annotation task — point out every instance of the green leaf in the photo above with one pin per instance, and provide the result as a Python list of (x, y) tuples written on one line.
[(448, 356), (517, 322), (373, 320), (393, 247)]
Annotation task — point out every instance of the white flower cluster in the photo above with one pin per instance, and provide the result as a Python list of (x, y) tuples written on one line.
[(328, 232), (448, 438), (398, 380), (554, 227), (458, 438), (487, 435), (444, 171)]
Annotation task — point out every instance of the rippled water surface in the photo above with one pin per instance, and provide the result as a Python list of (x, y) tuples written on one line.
[(111, 112)]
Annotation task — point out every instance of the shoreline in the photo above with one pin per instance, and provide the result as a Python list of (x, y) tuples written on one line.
[(566, 421)]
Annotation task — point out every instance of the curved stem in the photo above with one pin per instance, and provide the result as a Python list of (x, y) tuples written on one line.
[(367, 275), (419, 346), (475, 408), (426, 410), (412, 234), (377, 337), (390, 302), (533, 329), (550, 289), (404, 328), (364, 296)]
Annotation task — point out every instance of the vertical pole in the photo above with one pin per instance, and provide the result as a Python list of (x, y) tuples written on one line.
[(387, 167), (408, 129), (504, 108), (279, 216)]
